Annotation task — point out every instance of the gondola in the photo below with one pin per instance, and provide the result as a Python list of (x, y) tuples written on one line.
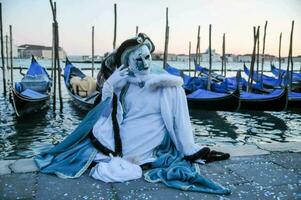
[(207, 100), (275, 101), (293, 98), (275, 71), (199, 98), (264, 100), (32, 93), (267, 81), (225, 84), (84, 103), (205, 71)]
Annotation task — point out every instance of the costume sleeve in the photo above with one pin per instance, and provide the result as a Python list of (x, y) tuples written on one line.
[(107, 91), (175, 114), (103, 128)]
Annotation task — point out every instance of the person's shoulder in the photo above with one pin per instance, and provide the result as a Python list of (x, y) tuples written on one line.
[(164, 80)]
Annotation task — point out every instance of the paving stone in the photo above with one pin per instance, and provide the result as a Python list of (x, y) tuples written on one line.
[(137, 185), (288, 146), (4, 166), (240, 150), (221, 175), (272, 176), (85, 187), (198, 195), (24, 166), (287, 160), (249, 191), (18, 186), (161, 194), (266, 174), (288, 191)]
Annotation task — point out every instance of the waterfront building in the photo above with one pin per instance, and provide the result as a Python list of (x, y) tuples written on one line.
[(39, 51)]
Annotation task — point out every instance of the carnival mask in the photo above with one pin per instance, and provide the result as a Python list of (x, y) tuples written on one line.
[(139, 61)]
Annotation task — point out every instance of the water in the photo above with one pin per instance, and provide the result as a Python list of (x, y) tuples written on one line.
[(25, 137)]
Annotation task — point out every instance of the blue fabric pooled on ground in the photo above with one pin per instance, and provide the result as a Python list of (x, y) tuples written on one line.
[(171, 169), (71, 157)]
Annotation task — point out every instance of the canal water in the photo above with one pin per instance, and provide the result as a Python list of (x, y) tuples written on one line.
[(27, 136)]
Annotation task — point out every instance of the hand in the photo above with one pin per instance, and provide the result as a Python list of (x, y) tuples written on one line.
[(119, 74), (111, 83)]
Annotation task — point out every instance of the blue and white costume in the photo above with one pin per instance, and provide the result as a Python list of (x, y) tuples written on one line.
[(154, 127)]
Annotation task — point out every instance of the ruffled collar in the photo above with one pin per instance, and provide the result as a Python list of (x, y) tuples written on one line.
[(153, 81)]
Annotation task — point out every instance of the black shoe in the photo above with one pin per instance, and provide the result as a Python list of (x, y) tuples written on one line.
[(201, 154), (216, 156)]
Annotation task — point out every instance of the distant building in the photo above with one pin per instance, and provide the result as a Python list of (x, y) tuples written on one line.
[(182, 58), (231, 57), (85, 58), (39, 51), (171, 57), (215, 57), (297, 59), (157, 56), (244, 58), (160, 56)]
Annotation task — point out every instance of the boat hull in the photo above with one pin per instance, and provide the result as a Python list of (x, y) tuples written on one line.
[(294, 103), (230, 102), (79, 103), (278, 103), (23, 105)]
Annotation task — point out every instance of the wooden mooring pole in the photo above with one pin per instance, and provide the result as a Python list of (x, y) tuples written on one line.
[(137, 29), (189, 58), (250, 78), (2, 52), (54, 70), (223, 71), (166, 40), (199, 45), (197, 51), (290, 59), (57, 68), (257, 54), (115, 26), (279, 56), (52, 53), (6, 50), (210, 60), (11, 55), (92, 51), (263, 52)]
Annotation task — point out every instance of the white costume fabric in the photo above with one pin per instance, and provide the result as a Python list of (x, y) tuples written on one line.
[(151, 106), (148, 113)]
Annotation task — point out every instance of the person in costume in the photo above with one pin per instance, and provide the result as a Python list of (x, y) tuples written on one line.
[(142, 122)]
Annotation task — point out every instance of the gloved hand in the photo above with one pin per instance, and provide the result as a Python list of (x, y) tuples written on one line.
[(118, 75), (109, 85)]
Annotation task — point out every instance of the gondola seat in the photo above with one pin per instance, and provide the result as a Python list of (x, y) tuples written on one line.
[(33, 94)]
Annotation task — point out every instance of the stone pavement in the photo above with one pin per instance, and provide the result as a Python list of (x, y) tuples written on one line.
[(274, 173)]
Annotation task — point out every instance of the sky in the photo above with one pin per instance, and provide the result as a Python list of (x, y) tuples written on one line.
[(31, 21)]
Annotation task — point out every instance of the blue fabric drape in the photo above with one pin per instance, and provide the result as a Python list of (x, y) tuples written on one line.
[(71, 157), (171, 169)]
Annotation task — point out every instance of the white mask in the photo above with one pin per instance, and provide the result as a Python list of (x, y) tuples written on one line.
[(139, 61)]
